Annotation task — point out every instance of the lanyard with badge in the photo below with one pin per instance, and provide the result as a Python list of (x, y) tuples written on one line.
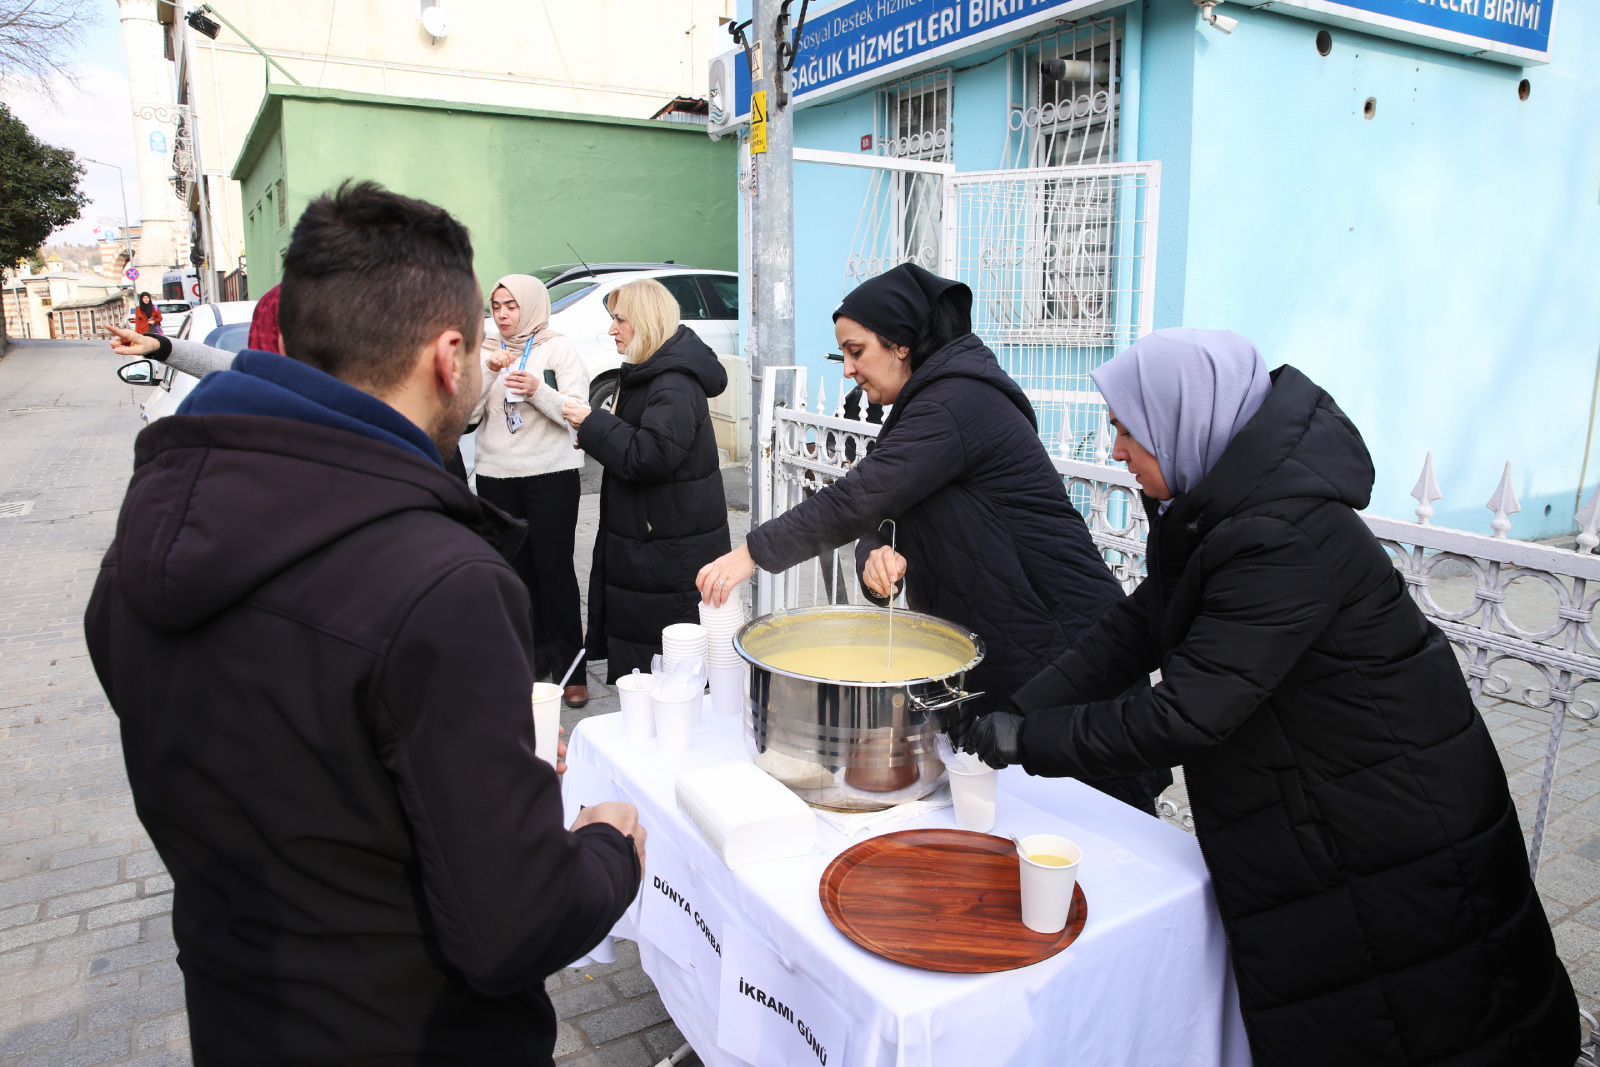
[(513, 416)]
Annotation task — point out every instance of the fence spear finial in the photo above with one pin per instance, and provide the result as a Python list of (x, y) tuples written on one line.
[(1101, 452), (1589, 523), (1503, 504), (1426, 492)]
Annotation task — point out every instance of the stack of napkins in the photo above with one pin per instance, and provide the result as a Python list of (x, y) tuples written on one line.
[(745, 814)]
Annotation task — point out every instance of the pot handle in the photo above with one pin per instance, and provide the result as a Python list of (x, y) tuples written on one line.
[(951, 698)]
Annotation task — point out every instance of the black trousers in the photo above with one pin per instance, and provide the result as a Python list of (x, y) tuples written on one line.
[(548, 503)]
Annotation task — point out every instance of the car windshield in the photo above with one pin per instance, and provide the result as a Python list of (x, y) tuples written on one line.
[(569, 293), (174, 309), (229, 338)]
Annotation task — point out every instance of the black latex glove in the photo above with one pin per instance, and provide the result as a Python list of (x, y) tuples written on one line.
[(955, 721), (996, 739)]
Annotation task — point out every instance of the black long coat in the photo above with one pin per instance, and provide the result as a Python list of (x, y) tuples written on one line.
[(1365, 853), (663, 515), (990, 538)]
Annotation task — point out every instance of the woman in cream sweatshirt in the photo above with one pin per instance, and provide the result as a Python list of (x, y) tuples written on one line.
[(528, 464)]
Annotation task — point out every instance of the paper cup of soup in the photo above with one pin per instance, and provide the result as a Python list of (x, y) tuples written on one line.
[(546, 720), (1049, 869)]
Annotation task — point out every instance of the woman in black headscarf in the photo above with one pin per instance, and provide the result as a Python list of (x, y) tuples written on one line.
[(986, 535)]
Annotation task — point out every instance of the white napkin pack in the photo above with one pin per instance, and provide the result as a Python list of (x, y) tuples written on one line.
[(745, 814)]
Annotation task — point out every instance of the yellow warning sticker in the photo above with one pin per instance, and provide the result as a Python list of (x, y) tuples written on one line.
[(758, 121)]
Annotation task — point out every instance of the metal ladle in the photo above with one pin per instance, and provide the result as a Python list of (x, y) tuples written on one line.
[(894, 533)]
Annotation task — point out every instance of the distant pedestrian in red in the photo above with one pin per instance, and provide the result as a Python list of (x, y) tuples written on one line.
[(147, 316)]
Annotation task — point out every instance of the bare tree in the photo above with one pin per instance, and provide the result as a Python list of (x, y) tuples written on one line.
[(37, 39)]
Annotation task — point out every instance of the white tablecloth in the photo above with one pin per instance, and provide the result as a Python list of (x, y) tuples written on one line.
[(1147, 983)]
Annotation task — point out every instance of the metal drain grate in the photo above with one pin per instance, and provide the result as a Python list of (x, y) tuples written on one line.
[(15, 509)]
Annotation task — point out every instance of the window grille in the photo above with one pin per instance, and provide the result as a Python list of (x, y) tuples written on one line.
[(1065, 96), (899, 221)]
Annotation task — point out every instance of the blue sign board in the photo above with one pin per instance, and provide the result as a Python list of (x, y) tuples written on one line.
[(868, 40), (158, 142), (1516, 31)]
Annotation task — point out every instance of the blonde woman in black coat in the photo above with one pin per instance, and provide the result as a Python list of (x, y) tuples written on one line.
[(1365, 853), (662, 511)]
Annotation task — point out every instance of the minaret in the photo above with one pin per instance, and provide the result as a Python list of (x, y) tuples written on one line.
[(163, 242)]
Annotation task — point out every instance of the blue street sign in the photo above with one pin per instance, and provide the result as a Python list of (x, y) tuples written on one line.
[(1516, 31), (868, 40), (158, 142)]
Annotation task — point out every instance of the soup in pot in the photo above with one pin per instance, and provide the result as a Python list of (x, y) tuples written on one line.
[(865, 662)]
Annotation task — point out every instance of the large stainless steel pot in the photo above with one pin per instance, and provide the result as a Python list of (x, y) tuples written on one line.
[(850, 746)]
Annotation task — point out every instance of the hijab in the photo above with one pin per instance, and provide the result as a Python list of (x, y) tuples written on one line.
[(533, 305), (897, 304), (146, 304), (1183, 394), (264, 323)]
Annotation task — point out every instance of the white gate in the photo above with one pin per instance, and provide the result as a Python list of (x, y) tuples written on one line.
[(1062, 266)]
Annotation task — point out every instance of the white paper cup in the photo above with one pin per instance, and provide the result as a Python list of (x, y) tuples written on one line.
[(1047, 890), (675, 721), (973, 797), (727, 689), (546, 720), (637, 694)]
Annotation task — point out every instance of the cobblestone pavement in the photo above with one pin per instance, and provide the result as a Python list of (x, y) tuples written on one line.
[(87, 970)]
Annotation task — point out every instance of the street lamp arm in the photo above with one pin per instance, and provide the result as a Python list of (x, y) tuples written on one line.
[(208, 9)]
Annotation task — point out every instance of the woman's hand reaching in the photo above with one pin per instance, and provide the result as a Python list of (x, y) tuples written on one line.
[(884, 570), (718, 579), (131, 342), (499, 361), (523, 382), (574, 412)]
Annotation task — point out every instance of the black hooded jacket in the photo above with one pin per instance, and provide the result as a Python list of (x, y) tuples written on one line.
[(663, 515), (1365, 853), (321, 663), (990, 538)]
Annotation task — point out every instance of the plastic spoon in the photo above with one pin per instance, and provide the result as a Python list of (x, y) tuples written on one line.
[(574, 666)]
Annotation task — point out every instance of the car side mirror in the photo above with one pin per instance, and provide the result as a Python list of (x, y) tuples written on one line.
[(139, 372)]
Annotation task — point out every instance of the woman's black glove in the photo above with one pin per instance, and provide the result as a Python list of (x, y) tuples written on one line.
[(996, 739)]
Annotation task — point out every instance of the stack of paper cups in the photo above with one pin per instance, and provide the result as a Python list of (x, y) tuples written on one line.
[(725, 670), (680, 640)]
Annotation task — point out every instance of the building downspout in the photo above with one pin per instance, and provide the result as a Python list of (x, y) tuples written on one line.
[(1588, 437)]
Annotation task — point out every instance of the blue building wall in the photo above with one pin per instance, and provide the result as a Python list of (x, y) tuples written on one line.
[(1435, 267)]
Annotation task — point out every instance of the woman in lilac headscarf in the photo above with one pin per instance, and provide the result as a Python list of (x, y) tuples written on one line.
[(1365, 853)]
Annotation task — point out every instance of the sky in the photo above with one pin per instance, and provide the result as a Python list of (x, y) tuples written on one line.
[(93, 118)]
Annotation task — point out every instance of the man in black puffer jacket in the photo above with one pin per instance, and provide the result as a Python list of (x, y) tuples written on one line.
[(1353, 813), (321, 662), (663, 514)]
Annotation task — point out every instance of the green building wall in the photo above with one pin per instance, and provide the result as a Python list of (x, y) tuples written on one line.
[(527, 183)]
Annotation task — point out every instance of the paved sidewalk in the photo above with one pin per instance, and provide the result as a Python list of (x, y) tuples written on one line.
[(87, 970)]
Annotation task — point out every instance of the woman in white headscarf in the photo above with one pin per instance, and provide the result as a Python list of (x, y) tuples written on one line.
[(528, 465), (1366, 857)]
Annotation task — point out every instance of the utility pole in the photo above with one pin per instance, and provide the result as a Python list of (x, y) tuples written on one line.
[(127, 240), (772, 169), (206, 271)]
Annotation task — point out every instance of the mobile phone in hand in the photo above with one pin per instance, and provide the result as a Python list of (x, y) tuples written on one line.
[(550, 378)]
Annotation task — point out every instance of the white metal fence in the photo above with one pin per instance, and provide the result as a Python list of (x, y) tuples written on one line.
[(1520, 615)]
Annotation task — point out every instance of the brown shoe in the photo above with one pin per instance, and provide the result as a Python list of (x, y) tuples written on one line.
[(576, 696)]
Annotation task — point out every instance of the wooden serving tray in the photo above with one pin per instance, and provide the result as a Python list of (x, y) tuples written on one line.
[(941, 900)]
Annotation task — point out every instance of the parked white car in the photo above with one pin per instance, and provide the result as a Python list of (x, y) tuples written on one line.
[(225, 326), (708, 303)]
